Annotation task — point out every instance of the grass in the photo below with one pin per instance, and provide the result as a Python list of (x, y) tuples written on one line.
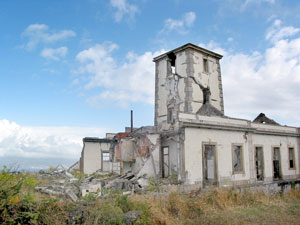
[(20, 204)]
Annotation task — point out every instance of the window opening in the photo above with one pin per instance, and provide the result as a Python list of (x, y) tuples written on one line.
[(259, 163), (165, 162), (209, 164), (237, 159), (170, 115), (205, 65), (105, 156), (276, 163), (291, 158), (172, 59)]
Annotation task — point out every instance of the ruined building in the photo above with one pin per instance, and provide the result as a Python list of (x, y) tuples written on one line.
[(192, 140)]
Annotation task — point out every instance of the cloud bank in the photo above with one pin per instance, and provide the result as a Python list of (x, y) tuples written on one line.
[(131, 81), (55, 144), (265, 81)]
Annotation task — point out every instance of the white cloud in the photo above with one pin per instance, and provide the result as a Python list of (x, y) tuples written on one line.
[(39, 33), (265, 81), (181, 25), (276, 32), (131, 81), (54, 53), (43, 142), (123, 8)]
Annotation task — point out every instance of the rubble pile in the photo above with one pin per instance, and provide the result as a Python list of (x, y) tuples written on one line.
[(64, 184)]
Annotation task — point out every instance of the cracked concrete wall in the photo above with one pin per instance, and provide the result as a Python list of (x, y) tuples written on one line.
[(211, 79), (188, 95)]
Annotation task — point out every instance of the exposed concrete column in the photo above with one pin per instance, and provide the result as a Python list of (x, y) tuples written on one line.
[(188, 89), (220, 86)]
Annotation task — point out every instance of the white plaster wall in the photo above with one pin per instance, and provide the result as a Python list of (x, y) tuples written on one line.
[(194, 138), (270, 141), (92, 157)]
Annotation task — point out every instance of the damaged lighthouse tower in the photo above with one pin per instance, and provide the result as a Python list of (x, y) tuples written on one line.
[(192, 140)]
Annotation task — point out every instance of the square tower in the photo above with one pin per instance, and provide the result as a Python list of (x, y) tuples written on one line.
[(187, 80)]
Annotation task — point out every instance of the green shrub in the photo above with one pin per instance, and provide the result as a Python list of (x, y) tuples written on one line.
[(16, 208)]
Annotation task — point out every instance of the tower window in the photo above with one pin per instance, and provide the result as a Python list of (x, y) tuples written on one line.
[(172, 59), (170, 118), (205, 65)]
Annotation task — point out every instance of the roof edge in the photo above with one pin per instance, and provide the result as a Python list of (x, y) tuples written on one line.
[(189, 45)]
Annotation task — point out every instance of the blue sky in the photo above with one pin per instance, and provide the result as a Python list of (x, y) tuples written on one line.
[(76, 68)]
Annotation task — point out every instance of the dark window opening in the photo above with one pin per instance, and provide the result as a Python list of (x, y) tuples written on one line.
[(276, 163), (165, 162), (291, 158), (205, 65), (259, 163), (172, 59)]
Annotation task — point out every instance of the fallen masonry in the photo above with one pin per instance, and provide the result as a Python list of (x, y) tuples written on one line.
[(63, 184)]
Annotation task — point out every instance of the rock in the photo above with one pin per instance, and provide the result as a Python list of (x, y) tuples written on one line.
[(89, 188), (71, 195)]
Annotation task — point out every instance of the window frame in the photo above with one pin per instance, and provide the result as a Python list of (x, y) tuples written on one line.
[(242, 171), (280, 163), (103, 157), (205, 64), (294, 158), (262, 161)]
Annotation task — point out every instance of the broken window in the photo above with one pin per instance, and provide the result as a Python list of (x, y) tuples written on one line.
[(237, 160), (276, 163), (209, 164), (205, 65), (105, 156), (292, 158), (172, 59), (259, 163)]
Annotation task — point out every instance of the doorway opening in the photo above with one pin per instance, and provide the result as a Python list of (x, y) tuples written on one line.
[(165, 168)]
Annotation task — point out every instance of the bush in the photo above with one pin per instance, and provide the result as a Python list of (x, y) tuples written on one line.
[(16, 208)]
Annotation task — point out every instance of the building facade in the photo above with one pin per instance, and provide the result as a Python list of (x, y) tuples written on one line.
[(194, 140)]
